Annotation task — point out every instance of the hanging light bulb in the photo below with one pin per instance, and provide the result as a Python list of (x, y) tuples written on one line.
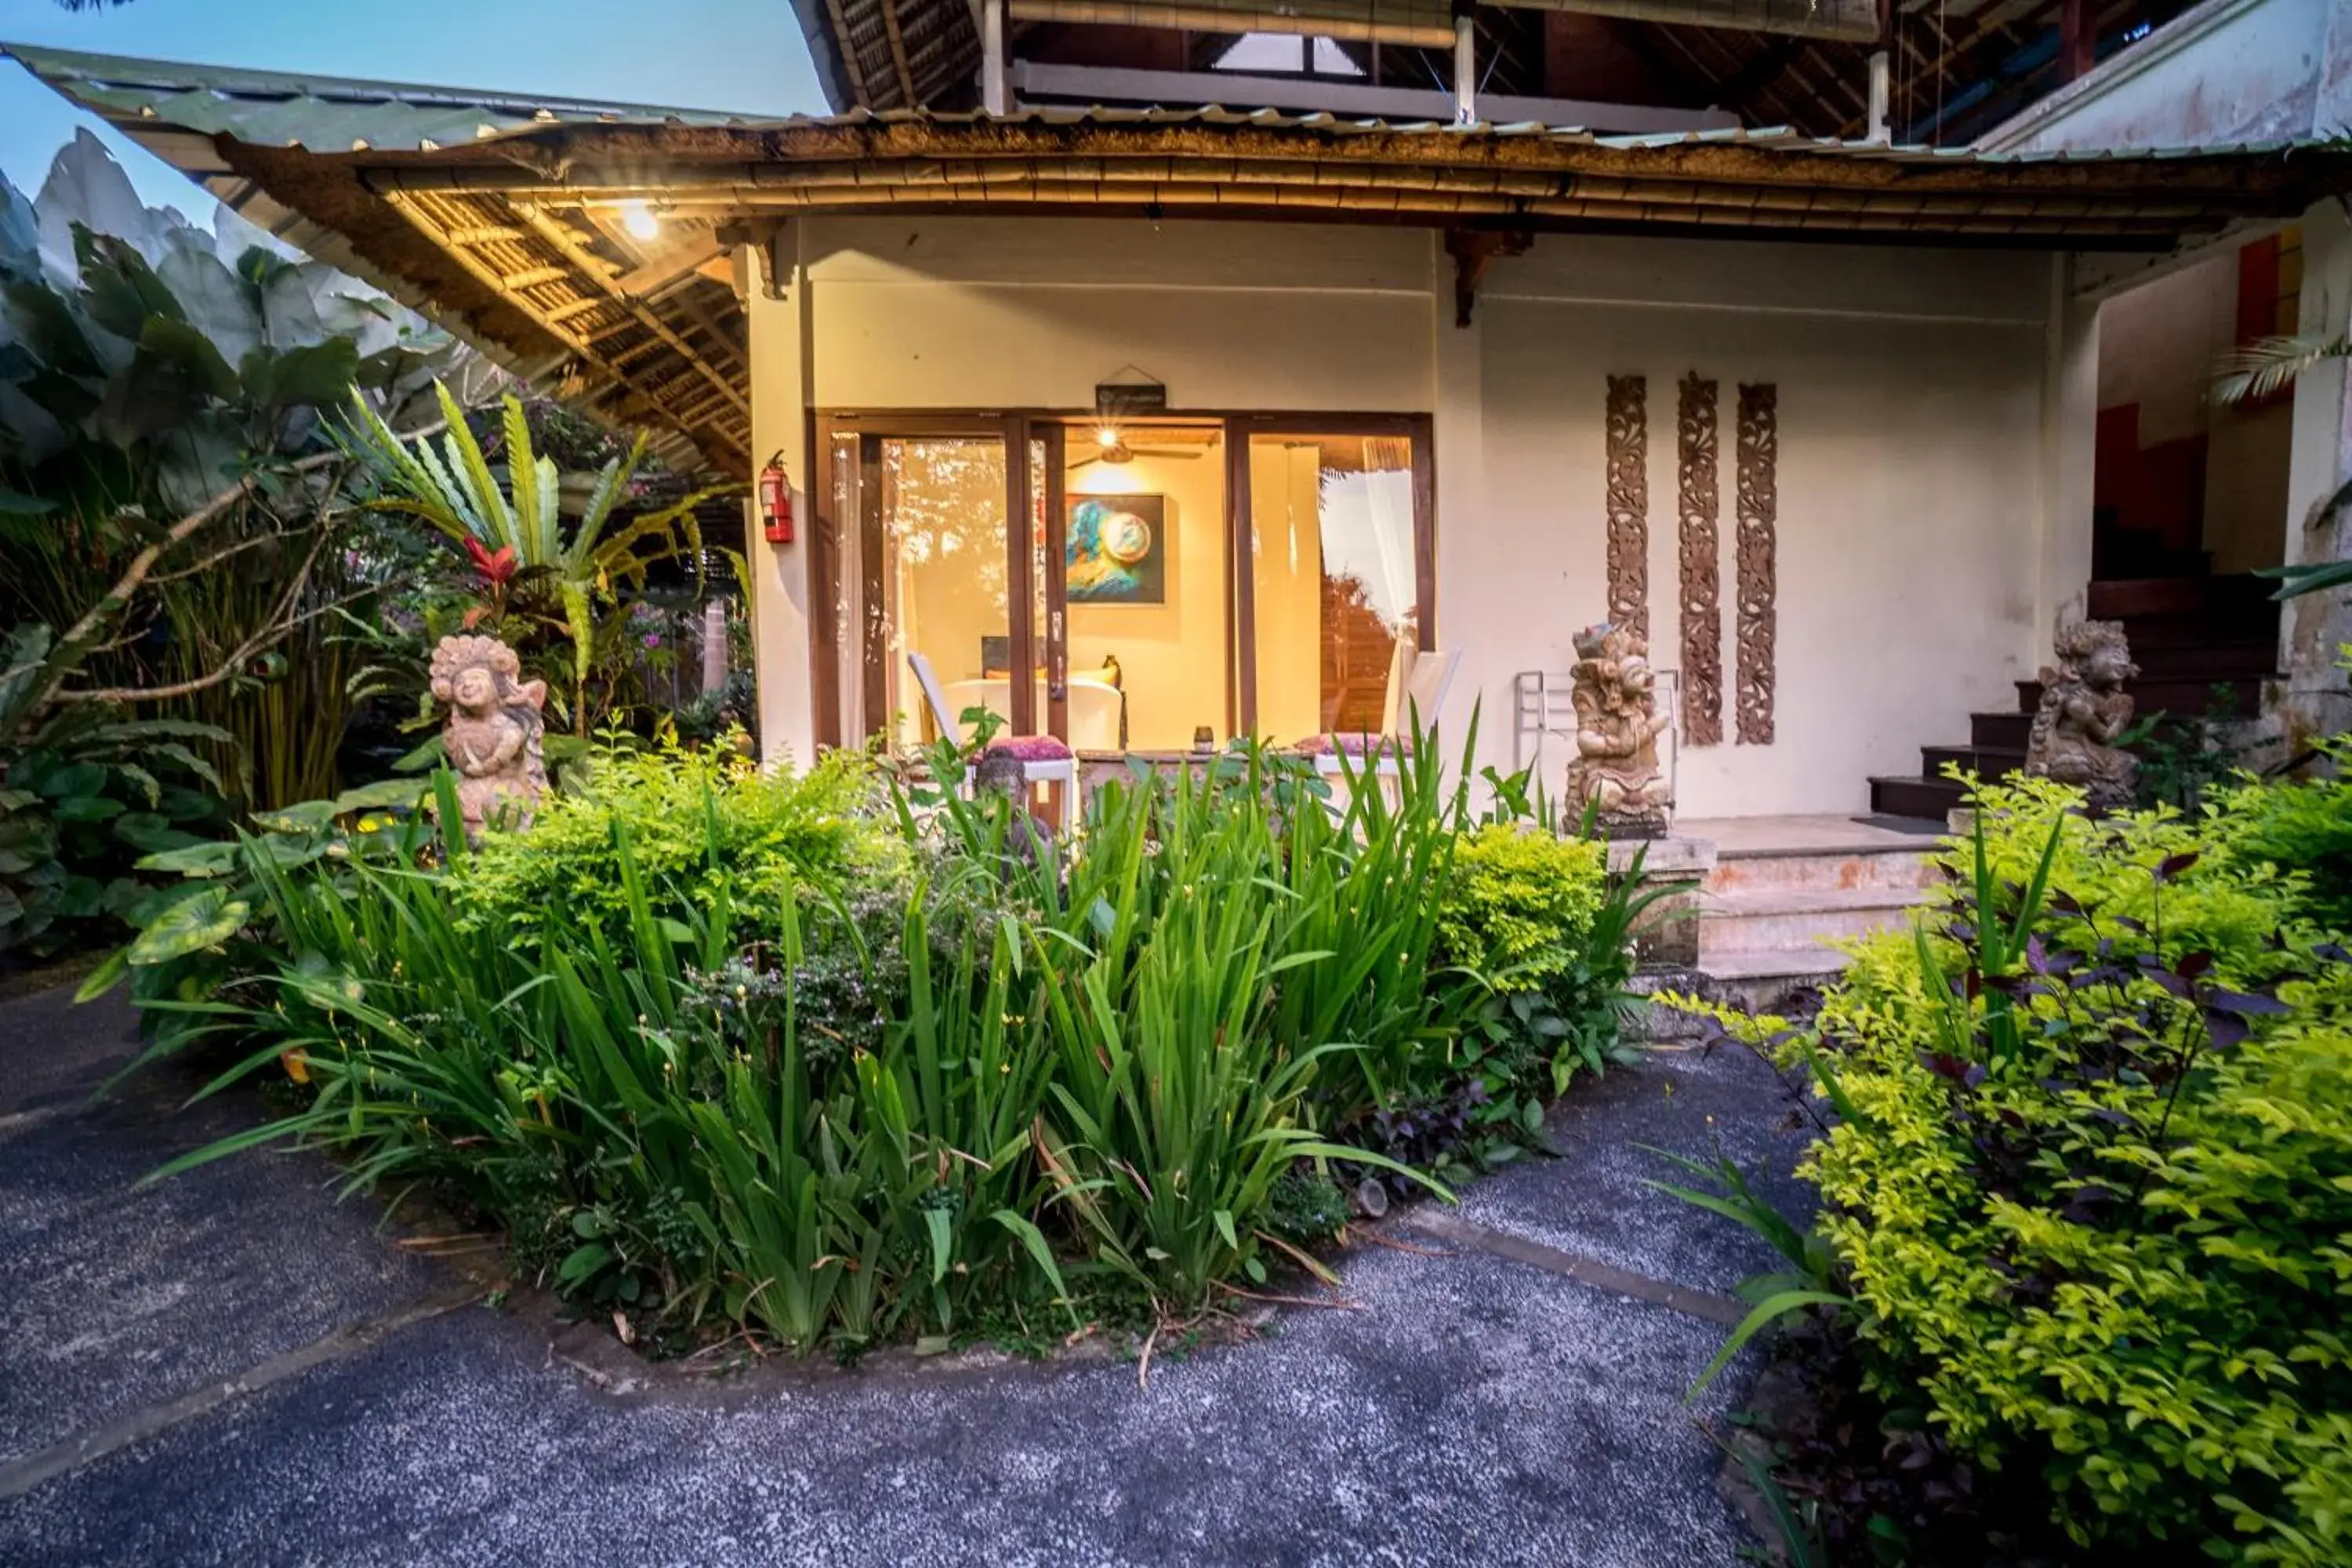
[(639, 218)]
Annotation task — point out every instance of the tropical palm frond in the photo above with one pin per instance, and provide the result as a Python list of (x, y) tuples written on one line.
[(2266, 364), (615, 556), (522, 476), (466, 459)]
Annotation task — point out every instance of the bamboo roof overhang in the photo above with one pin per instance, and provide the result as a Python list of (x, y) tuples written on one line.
[(509, 233)]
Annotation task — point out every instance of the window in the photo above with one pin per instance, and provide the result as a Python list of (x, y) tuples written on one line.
[(1335, 577)]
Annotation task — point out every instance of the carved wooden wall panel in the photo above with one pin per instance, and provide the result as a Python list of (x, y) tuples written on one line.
[(1759, 507), (1628, 437), (1702, 579)]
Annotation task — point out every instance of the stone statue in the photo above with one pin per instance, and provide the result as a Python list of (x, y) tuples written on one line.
[(494, 730), (1617, 728), (2083, 708)]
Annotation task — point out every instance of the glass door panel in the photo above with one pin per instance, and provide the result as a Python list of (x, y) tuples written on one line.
[(1334, 579), (1145, 587), (936, 563)]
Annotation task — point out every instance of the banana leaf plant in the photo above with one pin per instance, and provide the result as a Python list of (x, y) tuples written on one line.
[(514, 534)]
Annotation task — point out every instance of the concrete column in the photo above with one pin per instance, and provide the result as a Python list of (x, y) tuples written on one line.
[(780, 345), (1878, 95), (2313, 701), (1466, 69), (991, 56), (2069, 424), (1457, 425)]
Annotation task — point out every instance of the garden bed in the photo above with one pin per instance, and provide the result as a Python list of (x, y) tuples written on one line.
[(835, 1065)]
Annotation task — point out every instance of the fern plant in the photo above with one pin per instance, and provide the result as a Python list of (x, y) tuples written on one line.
[(515, 534)]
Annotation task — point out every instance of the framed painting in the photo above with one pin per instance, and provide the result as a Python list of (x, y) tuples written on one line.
[(1116, 550)]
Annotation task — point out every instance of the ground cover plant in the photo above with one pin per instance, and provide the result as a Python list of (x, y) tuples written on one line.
[(2085, 1156), (840, 1060)]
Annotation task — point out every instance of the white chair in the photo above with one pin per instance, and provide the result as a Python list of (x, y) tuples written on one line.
[(1094, 714), (1418, 685), (1095, 705), (1061, 769)]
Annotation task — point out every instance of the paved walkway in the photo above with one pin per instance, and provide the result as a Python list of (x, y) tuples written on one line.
[(233, 1367)]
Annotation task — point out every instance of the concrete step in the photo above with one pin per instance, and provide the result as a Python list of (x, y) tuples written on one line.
[(1826, 868), (1761, 980), (2233, 660), (2257, 623), (1915, 796), (2002, 732), (2178, 697), (1794, 919), (1985, 761), (2129, 598)]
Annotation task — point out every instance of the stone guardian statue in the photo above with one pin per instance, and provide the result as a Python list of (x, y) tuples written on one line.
[(494, 731), (2083, 710), (1615, 773)]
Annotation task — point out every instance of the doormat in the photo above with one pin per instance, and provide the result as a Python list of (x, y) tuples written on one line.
[(1925, 826)]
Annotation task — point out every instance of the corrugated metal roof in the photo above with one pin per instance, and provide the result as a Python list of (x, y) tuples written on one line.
[(328, 114)]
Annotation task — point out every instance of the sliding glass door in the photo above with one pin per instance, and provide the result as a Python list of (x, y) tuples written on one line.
[(1132, 586)]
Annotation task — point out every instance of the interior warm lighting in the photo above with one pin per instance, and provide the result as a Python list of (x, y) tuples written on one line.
[(1106, 437), (639, 218)]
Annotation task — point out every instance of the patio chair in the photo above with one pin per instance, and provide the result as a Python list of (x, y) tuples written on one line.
[(1418, 685), (1044, 758)]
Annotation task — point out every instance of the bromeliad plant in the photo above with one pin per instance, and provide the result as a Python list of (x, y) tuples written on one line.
[(535, 566)]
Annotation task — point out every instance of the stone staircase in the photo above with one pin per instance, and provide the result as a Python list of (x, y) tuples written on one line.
[(1781, 890), (2188, 635)]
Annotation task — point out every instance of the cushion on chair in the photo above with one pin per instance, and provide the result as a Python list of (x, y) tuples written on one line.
[(1357, 743), (1032, 748)]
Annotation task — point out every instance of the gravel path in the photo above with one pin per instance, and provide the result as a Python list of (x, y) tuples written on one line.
[(231, 1366)]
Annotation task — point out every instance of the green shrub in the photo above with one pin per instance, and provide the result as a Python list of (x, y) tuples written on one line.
[(692, 821), (1538, 935), (1520, 903), (2304, 826), (2091, 1185)]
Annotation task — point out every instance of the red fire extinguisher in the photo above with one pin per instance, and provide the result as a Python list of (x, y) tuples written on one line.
[(776, 501)]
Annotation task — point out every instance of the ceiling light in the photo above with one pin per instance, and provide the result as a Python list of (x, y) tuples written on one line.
[(639, 218), (1106, 437)]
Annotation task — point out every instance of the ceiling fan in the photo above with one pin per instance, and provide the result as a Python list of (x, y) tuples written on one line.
[(1110, 447)]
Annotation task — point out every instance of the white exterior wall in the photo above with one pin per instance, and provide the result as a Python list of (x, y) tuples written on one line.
[(1926, 441), (1910, 393)]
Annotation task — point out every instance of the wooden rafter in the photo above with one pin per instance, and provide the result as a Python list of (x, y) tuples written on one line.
[(565, 242)]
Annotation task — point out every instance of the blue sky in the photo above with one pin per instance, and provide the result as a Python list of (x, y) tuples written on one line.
[(699, 54)]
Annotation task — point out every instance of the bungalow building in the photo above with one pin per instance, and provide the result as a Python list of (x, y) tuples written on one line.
[(1460, 327)]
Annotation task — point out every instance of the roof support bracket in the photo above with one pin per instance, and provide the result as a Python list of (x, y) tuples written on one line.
[(1473, 249)]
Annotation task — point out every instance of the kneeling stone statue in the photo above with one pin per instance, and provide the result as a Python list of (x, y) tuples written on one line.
[(2083, 710), (1617, 727), (494, 731)]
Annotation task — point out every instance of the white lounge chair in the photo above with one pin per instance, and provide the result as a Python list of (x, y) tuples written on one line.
[(1053, 762), (1418, 685)]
